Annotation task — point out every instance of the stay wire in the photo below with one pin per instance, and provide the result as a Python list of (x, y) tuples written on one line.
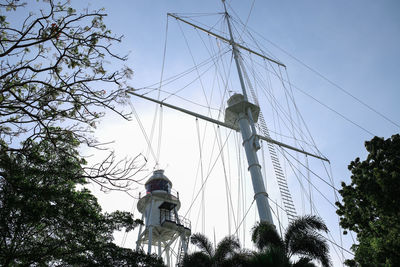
[(153, 126), (195, 64), (324, 105), (329, 81), (160, 132), (150, 148), (293, 167), (173, 78), (275, 106), (334, 243), (208, 175), (274, 102), (244, 217), (160, 125), (316, 175), (227, 188), (201, 173)]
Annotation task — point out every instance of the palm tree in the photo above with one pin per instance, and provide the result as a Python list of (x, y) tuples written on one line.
[(301, 238), (226, 253)]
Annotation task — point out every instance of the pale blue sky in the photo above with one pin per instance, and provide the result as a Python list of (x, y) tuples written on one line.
[(353, 43)]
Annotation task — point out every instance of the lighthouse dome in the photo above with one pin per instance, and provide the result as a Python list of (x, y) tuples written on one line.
[(158, 181)]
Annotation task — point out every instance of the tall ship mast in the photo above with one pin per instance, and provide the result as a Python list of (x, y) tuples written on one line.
[(258, 175)]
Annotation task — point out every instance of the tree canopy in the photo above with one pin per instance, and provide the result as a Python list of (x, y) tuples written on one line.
[(371, 204), (301, 239), (226, 253), (55, 85), (54, 75), (47, 217)]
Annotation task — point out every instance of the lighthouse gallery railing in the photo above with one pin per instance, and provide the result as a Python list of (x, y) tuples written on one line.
[(169, 216)]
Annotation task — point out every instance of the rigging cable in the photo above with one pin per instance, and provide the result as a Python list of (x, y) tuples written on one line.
[(182, 74), (208, 101), (334, 84), (277, 107), (293, 167), (202, 177), (326, 106), (227, 188), (325, 78), (150, 148), (208, 175), (332, 242), (244, 217)]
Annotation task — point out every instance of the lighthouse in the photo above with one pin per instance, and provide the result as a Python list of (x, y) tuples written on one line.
[(159, 206)]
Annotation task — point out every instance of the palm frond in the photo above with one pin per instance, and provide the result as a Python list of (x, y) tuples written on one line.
[(238, 259), (203, 243), (265, 235), (311, 245), (270, 257), (305, 224), (304, 262), (199, 259), (227, 246)]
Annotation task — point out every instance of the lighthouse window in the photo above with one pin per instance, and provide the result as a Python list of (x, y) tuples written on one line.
[(157, 185)]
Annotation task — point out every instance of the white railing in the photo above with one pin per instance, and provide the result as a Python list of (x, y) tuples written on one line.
[(169, 216), (171, 192)]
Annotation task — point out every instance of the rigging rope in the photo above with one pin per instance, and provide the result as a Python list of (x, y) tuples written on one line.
[(282, 183), (332, 242), (150, 148), (208, 175), (202, 176), (244, 217), (323, 77)]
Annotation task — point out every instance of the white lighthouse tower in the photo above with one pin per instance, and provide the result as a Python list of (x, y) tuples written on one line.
[(162, 224)]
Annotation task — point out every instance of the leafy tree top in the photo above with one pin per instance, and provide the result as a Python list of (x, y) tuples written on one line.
[(56, 77), (301, 238), (371, 203), (47, 217), (53, 69)]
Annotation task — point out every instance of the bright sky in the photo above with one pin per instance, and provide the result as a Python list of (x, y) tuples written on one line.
[(352, 43)]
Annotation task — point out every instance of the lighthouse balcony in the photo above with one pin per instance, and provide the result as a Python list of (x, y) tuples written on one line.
[(171, 192), (168, 217)]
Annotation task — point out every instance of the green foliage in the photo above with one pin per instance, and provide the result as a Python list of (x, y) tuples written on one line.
[(371, 204), (52, 76), (227, 252), (48, 218), (301, 238), (54, 69)]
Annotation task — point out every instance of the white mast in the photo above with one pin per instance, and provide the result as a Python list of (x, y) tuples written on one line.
[(241, 115), (241, 110)]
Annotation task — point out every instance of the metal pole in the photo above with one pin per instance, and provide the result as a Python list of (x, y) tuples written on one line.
[(139, 234), (235, 55), (167, 255), (260, 194), (250, 140)]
